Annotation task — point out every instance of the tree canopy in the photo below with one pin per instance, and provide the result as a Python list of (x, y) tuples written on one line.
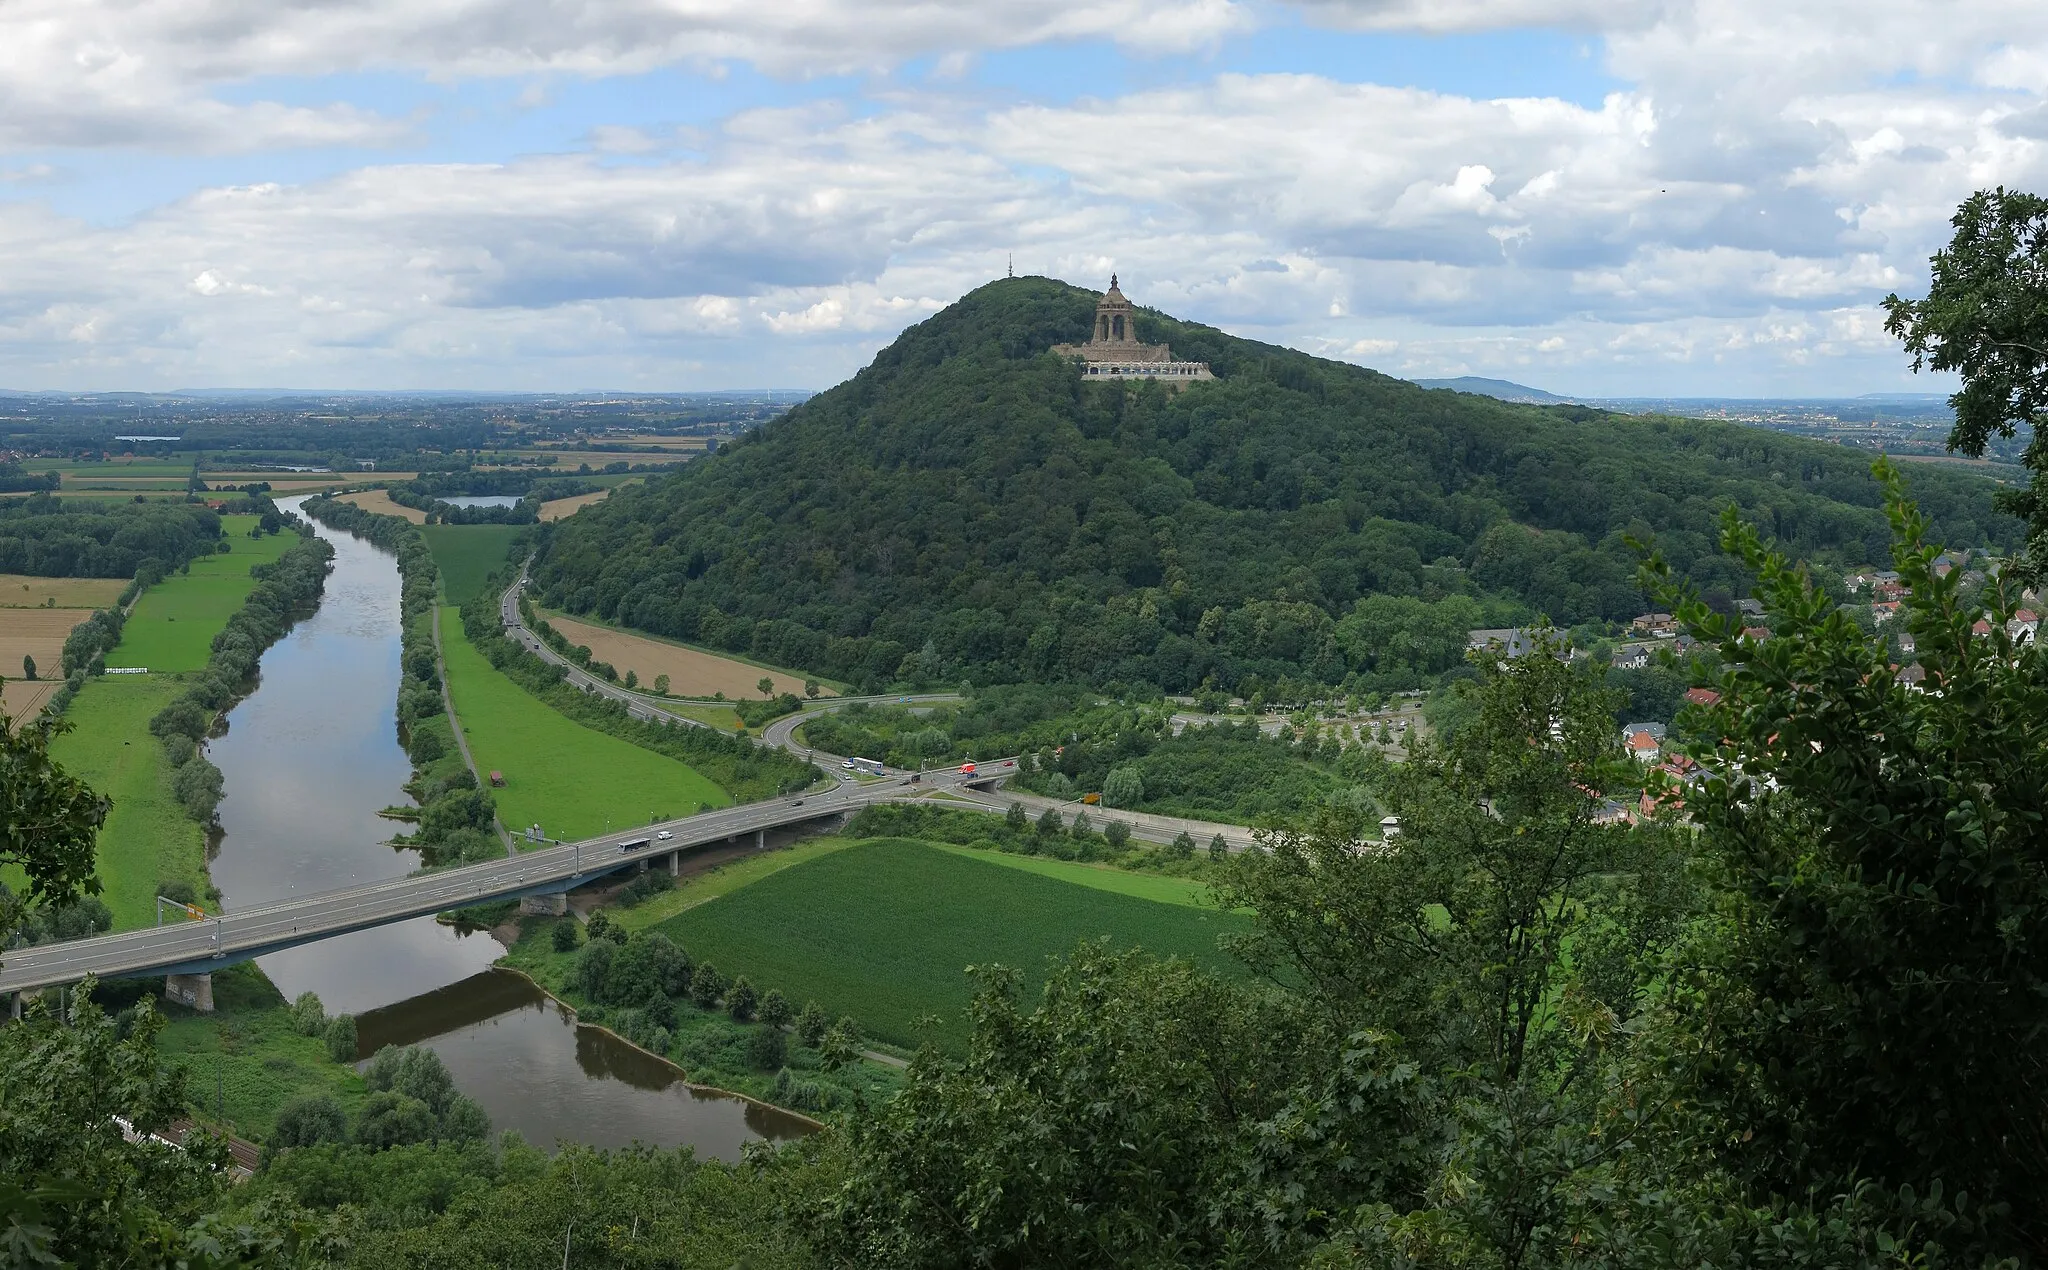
[(968, 506)]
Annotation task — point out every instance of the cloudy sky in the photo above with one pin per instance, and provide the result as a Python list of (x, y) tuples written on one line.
[(1620, 197)]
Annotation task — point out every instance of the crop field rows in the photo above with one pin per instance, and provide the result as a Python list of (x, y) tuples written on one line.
[(884, 931)]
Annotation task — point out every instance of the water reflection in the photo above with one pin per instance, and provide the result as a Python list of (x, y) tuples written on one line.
[(483, 500), (309, 758), (534, 1069)]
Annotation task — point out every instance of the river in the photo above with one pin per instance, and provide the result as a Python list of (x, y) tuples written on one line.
[(309, 757)]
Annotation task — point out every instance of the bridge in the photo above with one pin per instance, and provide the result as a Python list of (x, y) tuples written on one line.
[(189, 951), (195, 948)]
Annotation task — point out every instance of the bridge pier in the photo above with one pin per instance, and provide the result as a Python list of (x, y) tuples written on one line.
[(675, 864), (760, 839), (545, 905), (195, 991)]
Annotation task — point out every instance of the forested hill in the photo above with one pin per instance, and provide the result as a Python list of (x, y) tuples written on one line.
[(968, 507)]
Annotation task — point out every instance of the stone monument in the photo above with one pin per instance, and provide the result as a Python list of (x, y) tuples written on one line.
[(1113, 349)]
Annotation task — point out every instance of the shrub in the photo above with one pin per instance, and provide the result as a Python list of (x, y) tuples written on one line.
[(1081, 828), (1123, 787), (180, 718), (1218, 848), (308, 1018), (341, 1038), (309, 1120), (740, 999), (426, 748), (567, 935), (767, 1049), (707, 986), (179, 749), (603, 927), (811, 1025), (775, 1008), (594, 965), (1015, 818), (841, 1045), (1117, 833), (1049, 823), (1184, 845)]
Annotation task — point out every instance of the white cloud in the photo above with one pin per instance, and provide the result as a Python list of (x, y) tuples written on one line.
[(116, 72), (1767, 173)]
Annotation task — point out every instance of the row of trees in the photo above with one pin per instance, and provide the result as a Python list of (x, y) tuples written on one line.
[(286, 588), (457, 820)]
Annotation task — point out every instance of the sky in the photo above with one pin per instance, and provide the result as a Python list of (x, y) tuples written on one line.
[(1597, 197)]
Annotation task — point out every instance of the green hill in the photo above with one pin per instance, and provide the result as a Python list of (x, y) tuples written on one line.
[(967, 506)]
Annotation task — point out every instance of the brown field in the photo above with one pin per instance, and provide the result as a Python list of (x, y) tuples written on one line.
[(556, 509), (21, 699), (376, 500), (37, 633), (690, 673), (18, 591)]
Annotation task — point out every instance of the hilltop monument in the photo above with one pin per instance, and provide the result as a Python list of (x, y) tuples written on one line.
[(1113, 349)]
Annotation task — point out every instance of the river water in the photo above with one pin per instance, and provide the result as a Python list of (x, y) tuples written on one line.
[(309, 758)]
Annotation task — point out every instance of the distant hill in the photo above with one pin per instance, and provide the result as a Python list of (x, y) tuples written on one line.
[(1499, 388), (967, 507)]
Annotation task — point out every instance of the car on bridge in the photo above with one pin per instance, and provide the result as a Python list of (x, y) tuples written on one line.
[(664, 836)]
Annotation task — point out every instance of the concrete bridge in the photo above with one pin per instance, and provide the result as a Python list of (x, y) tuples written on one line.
[(196, 948)]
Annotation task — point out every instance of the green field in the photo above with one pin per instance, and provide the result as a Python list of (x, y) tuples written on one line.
[(173, 624), (147, 837), (245, 1059), (1156, 887), (570, 780), (884, 929), (468, 554)]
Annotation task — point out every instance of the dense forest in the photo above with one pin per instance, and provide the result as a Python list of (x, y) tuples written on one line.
[(48, 537), (968, 507)]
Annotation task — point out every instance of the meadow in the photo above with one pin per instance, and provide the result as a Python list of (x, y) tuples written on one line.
[(245, 1059), (147, 838), (567, 778), (884, 930), (468, 555), (173, 624)]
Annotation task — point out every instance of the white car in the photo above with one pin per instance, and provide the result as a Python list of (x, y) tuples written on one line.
[(847, 764), (663, 836)]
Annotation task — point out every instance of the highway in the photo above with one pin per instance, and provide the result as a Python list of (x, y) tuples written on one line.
[(191, 947), (199, 946)]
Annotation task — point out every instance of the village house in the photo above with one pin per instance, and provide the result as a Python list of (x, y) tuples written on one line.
[(2022, 625), (1662, 625), (1884, 611)]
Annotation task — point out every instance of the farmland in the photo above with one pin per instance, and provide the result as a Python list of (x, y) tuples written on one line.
[(691, 673), (376, 500), (467, 555), (569, 779), (19, 591), (37, 633), (884, 929), (20, 699), (556, 509), (173, 624)]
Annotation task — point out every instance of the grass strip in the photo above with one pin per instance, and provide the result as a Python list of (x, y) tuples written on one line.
[(572, 780)]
